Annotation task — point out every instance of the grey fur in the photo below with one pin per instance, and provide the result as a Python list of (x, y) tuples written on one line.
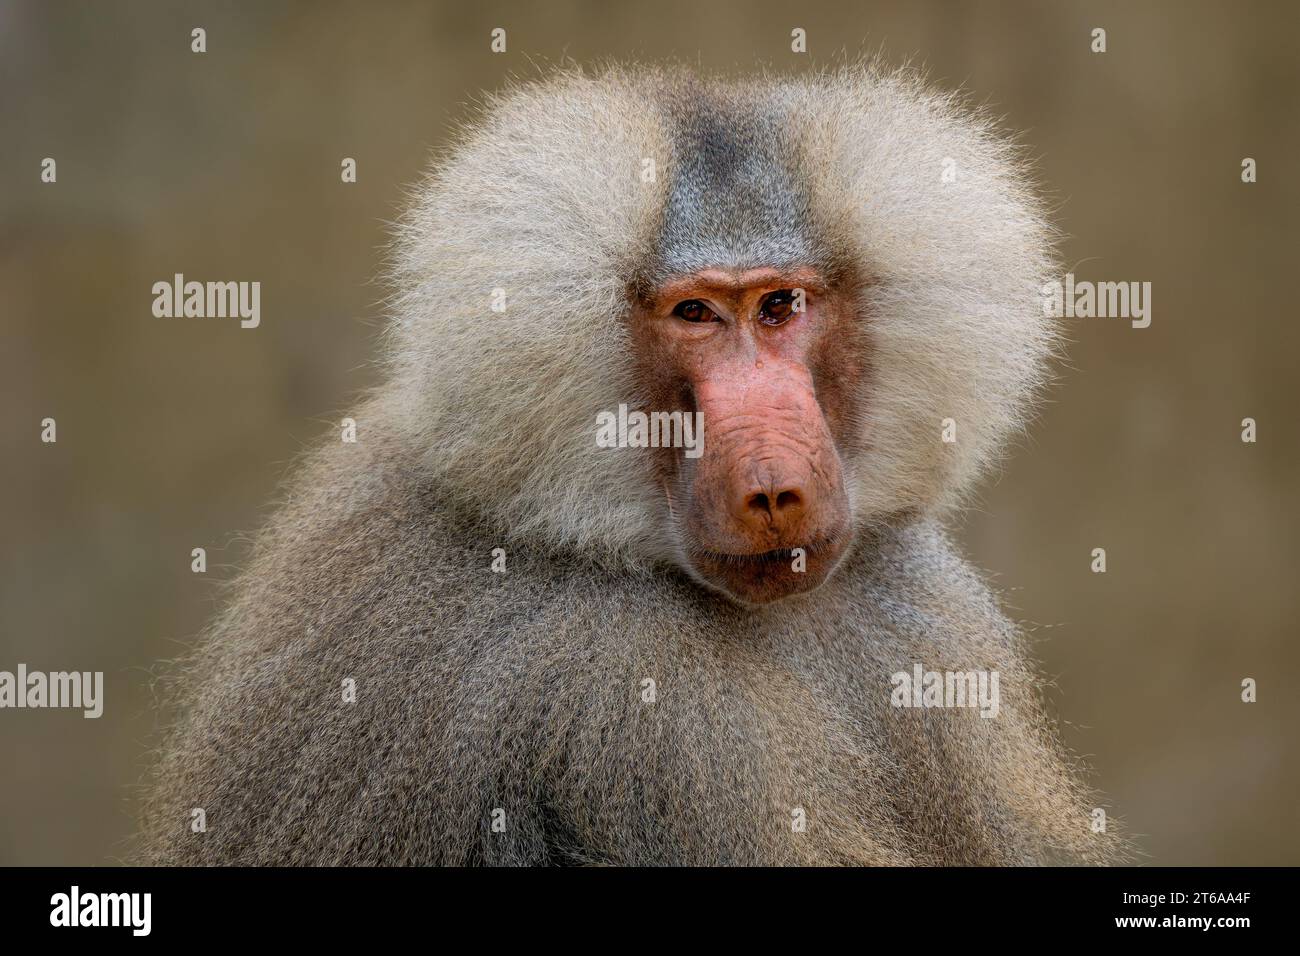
[(734, 197)]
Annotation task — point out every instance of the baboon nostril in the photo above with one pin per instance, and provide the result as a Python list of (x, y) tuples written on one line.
[(760, 502)]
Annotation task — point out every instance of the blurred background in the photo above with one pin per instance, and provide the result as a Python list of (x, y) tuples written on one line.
[(225, 165)]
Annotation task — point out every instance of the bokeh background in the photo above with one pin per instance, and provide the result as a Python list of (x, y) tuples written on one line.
[(176, 434)]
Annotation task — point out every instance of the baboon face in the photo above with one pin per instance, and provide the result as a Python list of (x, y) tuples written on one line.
[(649, 230), (763, 510)]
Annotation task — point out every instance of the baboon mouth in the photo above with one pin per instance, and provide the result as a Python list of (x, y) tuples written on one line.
[(765, 576), (775, 556), (820, 546)]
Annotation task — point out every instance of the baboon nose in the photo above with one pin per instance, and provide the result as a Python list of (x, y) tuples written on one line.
[(777, 507)]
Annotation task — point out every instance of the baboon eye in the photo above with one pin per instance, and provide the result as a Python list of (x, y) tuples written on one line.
[(693, 310), (777, 307)]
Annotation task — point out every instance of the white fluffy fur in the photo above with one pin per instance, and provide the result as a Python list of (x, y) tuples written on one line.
[(544, 198)]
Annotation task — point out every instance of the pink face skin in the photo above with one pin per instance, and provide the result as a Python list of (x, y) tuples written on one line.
[(732, 345)]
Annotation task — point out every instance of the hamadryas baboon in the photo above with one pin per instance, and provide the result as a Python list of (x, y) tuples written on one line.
[(676, 658)]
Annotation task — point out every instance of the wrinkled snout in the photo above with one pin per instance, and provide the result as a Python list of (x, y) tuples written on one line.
[(768, 489)]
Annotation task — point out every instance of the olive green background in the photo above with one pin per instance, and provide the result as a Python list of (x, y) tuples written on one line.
[(175, 434)]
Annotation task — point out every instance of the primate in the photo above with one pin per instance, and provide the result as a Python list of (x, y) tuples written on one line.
[(475, 636)]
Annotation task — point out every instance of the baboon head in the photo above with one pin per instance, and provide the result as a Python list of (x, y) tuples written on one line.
[(838, 276)]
